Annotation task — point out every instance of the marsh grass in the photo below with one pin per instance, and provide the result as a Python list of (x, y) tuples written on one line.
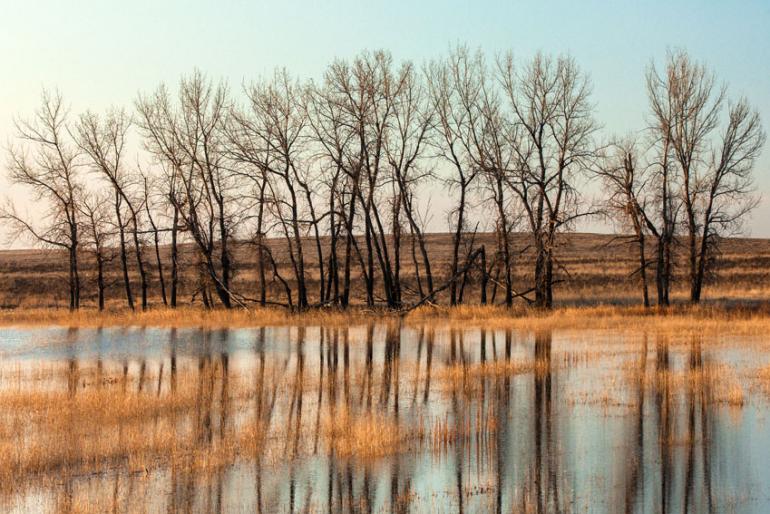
[(717, 383), (108, 426), (185, 317), (682, 319), (459, 372), (761, 380), (62, 422), (367, 435)]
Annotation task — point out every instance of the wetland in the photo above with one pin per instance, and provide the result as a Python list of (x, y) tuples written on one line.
[(384, 416)]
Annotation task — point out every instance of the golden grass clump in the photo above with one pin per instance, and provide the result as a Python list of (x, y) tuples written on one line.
[(469, 378), (94, 429), (367, 435), (479, 427), (761, 378), (109, 426), (717, 383)]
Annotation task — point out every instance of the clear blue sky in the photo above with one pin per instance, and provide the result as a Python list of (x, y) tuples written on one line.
[(102, 53)]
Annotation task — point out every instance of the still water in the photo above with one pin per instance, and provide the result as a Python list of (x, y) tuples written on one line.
[(445, 420)]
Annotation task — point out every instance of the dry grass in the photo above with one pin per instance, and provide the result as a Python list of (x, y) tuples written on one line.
[(182, 317), (680, 319), (717, 383), (49, 435), (367, 434), (469, 378), (762, 379)]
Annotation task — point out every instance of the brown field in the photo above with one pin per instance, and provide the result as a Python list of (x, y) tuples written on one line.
[(593, 269)]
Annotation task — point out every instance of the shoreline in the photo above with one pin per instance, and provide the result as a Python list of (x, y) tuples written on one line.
[(716, 317)]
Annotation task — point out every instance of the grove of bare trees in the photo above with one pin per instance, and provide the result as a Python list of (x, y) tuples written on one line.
[(331, 186), (687, 180)]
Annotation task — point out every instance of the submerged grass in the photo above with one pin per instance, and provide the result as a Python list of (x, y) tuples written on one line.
[(367, 435), (85, 427)]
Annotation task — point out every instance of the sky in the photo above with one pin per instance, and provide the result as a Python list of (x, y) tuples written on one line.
[(102, 53)]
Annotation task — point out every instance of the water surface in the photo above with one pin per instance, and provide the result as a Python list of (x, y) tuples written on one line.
[(503, 421)]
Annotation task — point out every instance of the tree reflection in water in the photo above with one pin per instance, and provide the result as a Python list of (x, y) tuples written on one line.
[(431, 419)]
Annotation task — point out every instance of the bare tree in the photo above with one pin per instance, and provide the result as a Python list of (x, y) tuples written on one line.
[(454, 86), (160, 143), (665, 200), (147, 189), (334, 131), (104, 141), (363, 95), (714, 157), (331, 137), (627, 188), (268, 137), (405, 147), (495, 159), (370, 110), (551, 135), (337, 172), (47, 164), (190, 137), (476, 131), (96, 227)]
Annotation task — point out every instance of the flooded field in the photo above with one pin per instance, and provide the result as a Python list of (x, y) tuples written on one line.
[(382, 418)]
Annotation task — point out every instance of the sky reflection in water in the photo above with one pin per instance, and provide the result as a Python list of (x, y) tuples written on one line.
[(598, 422)]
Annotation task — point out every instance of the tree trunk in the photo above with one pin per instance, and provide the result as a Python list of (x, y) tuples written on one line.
[(396, 253), (416, 263), (73, 278), (693, 259), (300, 264), (484, 276), (100, 278), (643, 270), (123, 253), (333, 283), (322, 293), (549, 279), (370, 268), (456, 244), (75, 300), (348, 251), (140, 264), (159, 262), (261, 244), (701, 270), (224, 289), (174, 257), (505, 240), (541, 300)]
